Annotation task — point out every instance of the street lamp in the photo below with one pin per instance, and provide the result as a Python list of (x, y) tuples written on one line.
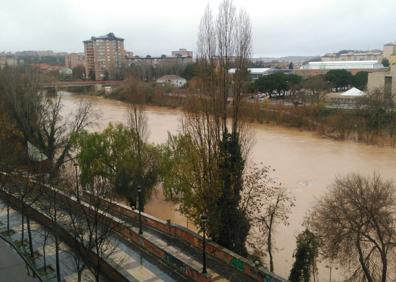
[(330, 268), (139, 189), (77, 188), (204, 219)]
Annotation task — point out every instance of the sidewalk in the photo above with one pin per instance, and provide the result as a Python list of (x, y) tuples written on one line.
[(138, 266), (12, 267)]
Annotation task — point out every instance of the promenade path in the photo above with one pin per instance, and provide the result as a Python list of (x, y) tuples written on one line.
[(12, 267), (138, 266), (218, 271)]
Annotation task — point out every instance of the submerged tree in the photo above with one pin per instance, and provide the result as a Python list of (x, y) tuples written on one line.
[(305, 257), (267, 204), (121, 155), (355, 222)]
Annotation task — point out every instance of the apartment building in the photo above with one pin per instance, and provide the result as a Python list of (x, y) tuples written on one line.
[(104, 57), (73, 60), (183, 53)]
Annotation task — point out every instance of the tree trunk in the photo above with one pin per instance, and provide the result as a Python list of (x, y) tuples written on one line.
[(8, 217), (363, 263), (23, 227), (44, 253), (269, 243), (58, 275), (30, 236), (384, 266), (97, 259)]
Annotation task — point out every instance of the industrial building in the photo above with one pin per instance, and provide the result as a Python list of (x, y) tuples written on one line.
[(342, 65), (320, 68)]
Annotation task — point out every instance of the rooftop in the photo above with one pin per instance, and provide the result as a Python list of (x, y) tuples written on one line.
[(109, 36), (329, 65), (353, 92)]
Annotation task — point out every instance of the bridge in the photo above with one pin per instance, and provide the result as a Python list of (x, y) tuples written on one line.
[(79, 83), (174, 247)]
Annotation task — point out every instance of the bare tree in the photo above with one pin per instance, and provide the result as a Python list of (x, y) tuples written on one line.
[(355, 222), (45, 235), (98, 235), (27, 192), (267, 204), (39, 117)]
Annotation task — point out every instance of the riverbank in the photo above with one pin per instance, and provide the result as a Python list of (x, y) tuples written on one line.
[(372, 125)]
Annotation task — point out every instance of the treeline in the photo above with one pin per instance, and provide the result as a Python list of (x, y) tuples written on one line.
[(282, 84), (372, 123)]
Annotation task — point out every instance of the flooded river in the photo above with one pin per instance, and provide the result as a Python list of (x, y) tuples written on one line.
[(305, 163)]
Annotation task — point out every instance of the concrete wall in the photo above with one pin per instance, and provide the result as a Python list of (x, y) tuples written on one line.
[(376, 81)]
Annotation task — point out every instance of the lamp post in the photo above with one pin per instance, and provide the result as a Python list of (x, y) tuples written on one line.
[(330, 269), (204, 219), (139, 189), (77, 188)]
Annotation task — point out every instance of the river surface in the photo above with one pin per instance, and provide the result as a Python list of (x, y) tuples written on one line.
[(304, 162)]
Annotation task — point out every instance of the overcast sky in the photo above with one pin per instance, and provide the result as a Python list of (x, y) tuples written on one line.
[(280, 27)]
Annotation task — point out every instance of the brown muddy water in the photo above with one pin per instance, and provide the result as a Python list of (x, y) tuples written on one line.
[(304, 162)]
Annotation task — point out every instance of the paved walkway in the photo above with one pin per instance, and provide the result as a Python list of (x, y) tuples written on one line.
[(139, 266), (217, 270), (12, 267), (142, 268)]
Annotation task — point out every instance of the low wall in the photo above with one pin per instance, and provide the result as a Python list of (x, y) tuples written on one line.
[(193, 239)]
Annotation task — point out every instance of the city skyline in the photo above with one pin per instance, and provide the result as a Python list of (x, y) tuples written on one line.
[(279, 29)]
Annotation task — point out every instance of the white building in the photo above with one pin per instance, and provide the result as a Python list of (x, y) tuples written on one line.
[(342, 65), (173, 80), (255, 73)]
